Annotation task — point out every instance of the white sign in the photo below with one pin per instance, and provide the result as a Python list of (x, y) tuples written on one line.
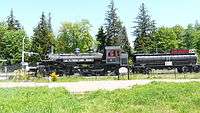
[(168, 63), (123, 70)]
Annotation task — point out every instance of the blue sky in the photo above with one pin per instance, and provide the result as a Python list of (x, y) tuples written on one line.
[(164, 12)]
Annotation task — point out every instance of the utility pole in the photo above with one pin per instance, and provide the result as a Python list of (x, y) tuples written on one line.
[(23, 53)]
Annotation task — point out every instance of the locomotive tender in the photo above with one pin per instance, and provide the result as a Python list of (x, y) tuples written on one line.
[(90, 63), (182, 60)]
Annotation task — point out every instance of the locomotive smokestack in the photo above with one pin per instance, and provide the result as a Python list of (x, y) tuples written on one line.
[(77, 51)]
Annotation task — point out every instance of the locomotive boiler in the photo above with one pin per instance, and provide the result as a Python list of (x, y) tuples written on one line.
[(91, 63)]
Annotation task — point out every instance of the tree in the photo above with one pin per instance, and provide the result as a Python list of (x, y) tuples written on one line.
[(188, 37), (197, 41), (113, 26), (74, 35), (125, 42), (166, 39), (143, 30), (11, 43), (51, 34), (13, 24), (3, 30), (42, 38), (179, 30), (49, 23), (101, 38)]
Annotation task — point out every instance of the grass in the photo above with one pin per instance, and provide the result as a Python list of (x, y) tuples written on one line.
[(76, 78), (152, 98)]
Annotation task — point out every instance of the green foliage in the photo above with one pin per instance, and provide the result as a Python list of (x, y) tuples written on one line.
[(3, 29), (179, 30), (11, 43), (74, 35), (144, 29), (113, 26), (165, 39), (101, 38), (125, 44), (196, 36), (153, 98), (188, 37), (42, 39), (116, 34), (11, 36), (13, 24)]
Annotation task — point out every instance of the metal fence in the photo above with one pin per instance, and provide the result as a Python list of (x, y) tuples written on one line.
[(10, 68), (7, 71)]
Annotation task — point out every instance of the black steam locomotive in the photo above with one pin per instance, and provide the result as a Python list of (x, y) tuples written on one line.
[(182, 60), (93, 63), (90, 63)]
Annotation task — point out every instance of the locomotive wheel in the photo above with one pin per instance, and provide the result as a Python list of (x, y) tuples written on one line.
[(180, 70), (146, 70), (71, 72), (102, 73), (196, 69), (185, 69), (117, 72)]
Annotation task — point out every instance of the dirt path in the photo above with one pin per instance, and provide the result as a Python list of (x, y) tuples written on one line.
[(86, 86)]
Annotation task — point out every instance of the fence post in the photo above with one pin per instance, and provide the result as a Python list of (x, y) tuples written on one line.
[(128, 73), (175, 72), (5, 70)]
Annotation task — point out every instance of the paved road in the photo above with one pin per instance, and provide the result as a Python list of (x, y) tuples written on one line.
[(86, 86)]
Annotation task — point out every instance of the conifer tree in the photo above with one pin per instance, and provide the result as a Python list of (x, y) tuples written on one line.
[(125, 42), (13, 24), (42, 38), (112, 25), (101, 38), (144, 29)]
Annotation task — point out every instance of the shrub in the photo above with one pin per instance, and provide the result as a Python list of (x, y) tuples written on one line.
[(20, 75), (54, 77)]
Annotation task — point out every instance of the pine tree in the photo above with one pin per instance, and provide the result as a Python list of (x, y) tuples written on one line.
[(112, 25), (143, 30), (51, 47), (49, 23), (125, 42), (101, 38), (13, 24), (42, 39)]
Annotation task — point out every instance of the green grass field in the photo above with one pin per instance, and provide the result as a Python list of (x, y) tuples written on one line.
[(122, 77), (153, 98), (76, 78)]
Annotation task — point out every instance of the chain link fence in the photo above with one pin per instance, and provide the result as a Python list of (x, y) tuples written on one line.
[(10, 68), (7, 71)]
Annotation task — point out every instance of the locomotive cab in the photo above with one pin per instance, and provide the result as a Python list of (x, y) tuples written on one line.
[(115, 59), (113, 54)]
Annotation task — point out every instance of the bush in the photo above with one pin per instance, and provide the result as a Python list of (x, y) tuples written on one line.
[(21, 75), (54, 77)]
